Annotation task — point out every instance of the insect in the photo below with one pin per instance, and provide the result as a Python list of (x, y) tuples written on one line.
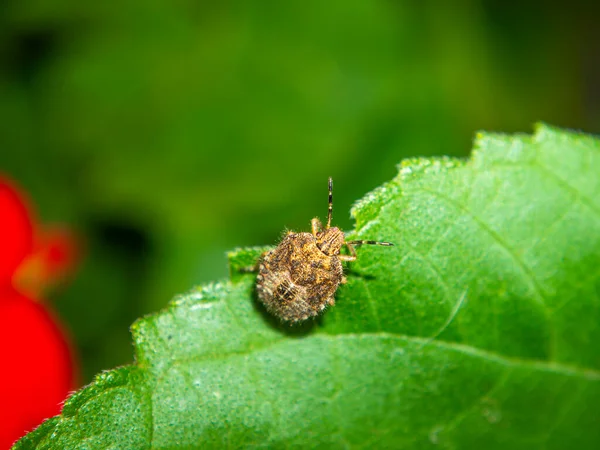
[(299, 278)]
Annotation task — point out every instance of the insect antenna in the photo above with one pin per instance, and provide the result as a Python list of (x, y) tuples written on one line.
[(363, 242), (330, 207)]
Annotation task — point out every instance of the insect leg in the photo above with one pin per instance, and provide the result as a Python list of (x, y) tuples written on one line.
[(316, 226), (351, 256)]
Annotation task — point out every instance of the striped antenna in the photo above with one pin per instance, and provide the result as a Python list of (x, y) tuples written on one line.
[(363, 242), (330, 207)]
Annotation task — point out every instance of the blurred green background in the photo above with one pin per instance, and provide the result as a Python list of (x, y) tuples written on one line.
[(167, 132)]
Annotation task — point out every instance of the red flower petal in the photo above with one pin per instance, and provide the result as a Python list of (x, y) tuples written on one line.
[(36, 368), (16, 230)]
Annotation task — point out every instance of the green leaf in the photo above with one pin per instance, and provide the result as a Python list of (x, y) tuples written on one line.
[(479, 329)]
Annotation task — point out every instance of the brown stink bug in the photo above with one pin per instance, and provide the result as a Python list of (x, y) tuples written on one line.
[(299, 278)]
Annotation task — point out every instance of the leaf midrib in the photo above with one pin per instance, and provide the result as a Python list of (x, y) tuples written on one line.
[(544, 366)]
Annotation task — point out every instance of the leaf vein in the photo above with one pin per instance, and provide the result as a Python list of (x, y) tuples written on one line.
[(500, 382), (565, 185), (373, 305), (527, 272)]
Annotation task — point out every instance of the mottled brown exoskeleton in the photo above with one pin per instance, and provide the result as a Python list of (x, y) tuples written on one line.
[(298, 278)]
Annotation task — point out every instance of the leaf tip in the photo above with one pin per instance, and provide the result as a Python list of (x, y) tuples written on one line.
[(545, 132)]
